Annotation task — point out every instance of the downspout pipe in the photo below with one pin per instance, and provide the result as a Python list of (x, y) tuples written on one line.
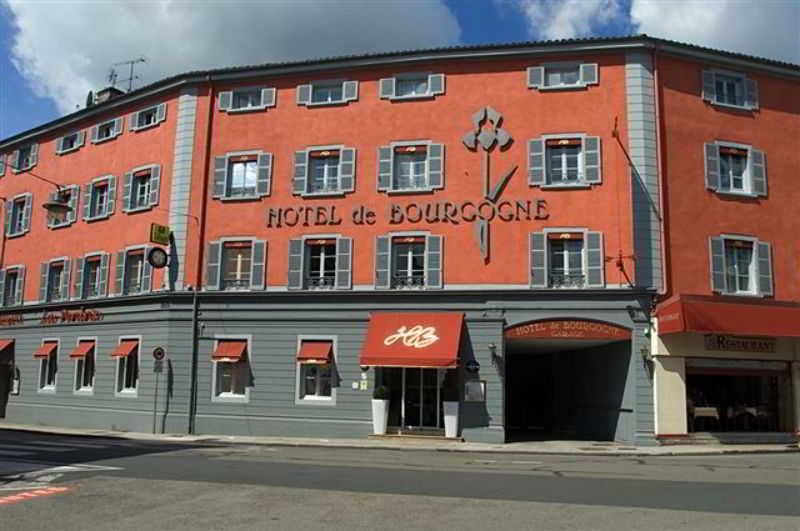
[(664, 289)]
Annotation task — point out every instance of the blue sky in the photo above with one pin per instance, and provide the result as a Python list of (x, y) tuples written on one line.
[(54, 51)]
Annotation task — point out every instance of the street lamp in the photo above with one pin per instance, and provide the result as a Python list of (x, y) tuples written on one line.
[(57, 207)]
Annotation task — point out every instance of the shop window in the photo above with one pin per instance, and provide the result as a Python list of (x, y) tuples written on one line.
[(235, 264), (555, 76), (70, 142), (54, 284), (316, 379), (70, 195), (564, 161), (48, 365), (107, 130), (413, 85), (148, 117), (18, 215), (25, 158), (99, 198), (232, 372), (730, 89), (84, 357), (411, 167), (320, 263), (247, 99), (141, 187), (735, 169), (741, 266), (242, 175), (413, 261), (567, 259), (126, 355), (12, 288), (91, 276), (327, 92), (324, 170)]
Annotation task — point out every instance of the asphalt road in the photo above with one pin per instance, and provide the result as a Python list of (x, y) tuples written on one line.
[(65, 483)]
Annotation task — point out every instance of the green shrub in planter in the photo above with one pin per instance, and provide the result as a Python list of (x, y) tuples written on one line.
[(381, 393)]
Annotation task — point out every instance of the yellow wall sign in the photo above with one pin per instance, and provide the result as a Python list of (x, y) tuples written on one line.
[(159, 234)]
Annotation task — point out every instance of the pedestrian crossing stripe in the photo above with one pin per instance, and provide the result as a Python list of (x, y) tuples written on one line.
[(24, 496)]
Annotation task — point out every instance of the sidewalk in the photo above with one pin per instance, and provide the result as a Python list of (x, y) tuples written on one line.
[(417, 444)]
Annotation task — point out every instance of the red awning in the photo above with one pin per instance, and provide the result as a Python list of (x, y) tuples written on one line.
[(83, 348), (728, 315), (5, 343), (230, 350), (45, 351), (125, 348), (315, 352), (413, 340)]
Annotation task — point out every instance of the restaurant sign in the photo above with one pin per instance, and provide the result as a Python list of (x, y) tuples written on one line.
[(70, 316), (12, 319), (765, 345), (568, 328), (417, 336)]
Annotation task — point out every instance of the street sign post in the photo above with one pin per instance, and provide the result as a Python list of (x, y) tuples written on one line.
[(159, 234), (158, 367)]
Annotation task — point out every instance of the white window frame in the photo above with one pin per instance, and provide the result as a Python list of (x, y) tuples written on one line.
[(407, 143), (322, 84), (89, 391), (408, 234), (581, 182), (250, 108), (306, 258), (76, 147), (17, 268), (563, 65), (134, 250), (138, 114), (229, 175), (134, 179), (128, 393), (106, 180), (415, 76), (43, 387), (325, 193), (112, 135), (64, 271), (21, 169), (584, 258), (222, 242), (752, 272), (317, 400), (232, 398), (740, 79), (747, 179), (84, 285), (19, 198)]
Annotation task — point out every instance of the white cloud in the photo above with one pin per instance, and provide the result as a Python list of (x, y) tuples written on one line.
[(766, 28), (566, 19), (65, 48)]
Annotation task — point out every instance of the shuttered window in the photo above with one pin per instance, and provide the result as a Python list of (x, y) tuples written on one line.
[(25, 158), (567, 260), (320, 263), (412, 86), (70, 194), (70, 142), (407, 262), (242, 175), (561, 161), (740, 266), (327, 92), (107, 130), (735, 169), (246, 99), (99, 198), (55, 281), (148, 117), (18, 215), (12, 286), (133, 274), (321, 170), (411, 167), (233, 264), (731, 89), (91, 276), (562, 76)]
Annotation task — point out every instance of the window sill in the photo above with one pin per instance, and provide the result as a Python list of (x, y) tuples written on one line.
[(337, 193), (144, 127), (326, 103), (16, 234), (734, 193), (85, 391), (138, 209), (60, 226), (406, 191), (22, 170), (230, 398), (558, 88), (130, 393), (732, 106), (67, 151), (240, 198), (315, 401), (244, 110), (106, 139), (47, 390), (568, 186), (428, 96), (97, 218)]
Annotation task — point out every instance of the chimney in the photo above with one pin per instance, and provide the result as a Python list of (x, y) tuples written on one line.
[(107, 94)]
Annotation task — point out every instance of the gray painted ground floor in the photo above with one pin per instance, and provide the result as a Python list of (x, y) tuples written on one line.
[(538, 387)]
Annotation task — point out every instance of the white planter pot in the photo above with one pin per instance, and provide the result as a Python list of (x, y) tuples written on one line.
[(380, 416), (450, 419)]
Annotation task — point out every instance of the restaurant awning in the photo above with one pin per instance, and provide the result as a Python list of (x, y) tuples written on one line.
[(229, 350), (5, 343), (319, 352), (83, 348), (45, 351), (429, 340), (728, 315), (125, 348)]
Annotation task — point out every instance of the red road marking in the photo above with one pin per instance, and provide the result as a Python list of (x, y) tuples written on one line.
[(29, 495)]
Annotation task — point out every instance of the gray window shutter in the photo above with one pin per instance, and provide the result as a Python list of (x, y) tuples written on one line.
[(155, 185), (59, 142), (344, 266), (94, 134), (258, 265), (133, 121), (127, 188), (595, 260), (538, 258), (213, 265), (588, 73), (347, 169), (592, 160), (9, 207), (383, 262), (264, 174), (536, 173), (15, 161), (433, 261), (72, 215), (161, 112), (44, 271), (751, 94), (2, 165), (758, 172), (385, 163), (79, 278), (87, 201), (225, 100), (147, 273), (112, 194), (709, 86), (436, 165), (303, 94), (118, 124), (535, 77), (34, 159), (65, 276), (81, 138), (220, 176), (350, 90), (295, 276), (20, 291), (386, 88), (119, 276), (26, 219), (712, 166), (102, 284), (300, 172), (436, 84), (267, 97), (717, 264), (2, 287), (764, 269)]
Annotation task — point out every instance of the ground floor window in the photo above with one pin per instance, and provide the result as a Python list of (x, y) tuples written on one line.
[(48, 368), (232, 374), (416, 396)]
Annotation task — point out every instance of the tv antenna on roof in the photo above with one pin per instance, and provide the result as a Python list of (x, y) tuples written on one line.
[(112, 76)]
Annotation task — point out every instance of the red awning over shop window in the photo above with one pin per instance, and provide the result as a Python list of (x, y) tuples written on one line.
[(230, 350), (5, 343), (83, 348), (45, 351), (728, 315), (125, 348), (413, 340), (319, 352)]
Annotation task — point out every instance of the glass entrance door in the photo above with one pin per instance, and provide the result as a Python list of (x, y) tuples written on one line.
[(422, 398)]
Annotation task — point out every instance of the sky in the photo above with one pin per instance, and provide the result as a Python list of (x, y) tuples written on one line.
[(54, 51)]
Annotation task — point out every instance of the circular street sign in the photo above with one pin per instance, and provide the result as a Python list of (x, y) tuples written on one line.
[(472, 366), (157, 257), (159, 353)]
